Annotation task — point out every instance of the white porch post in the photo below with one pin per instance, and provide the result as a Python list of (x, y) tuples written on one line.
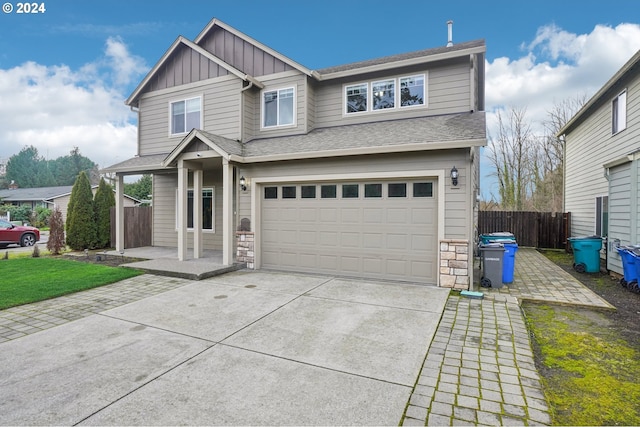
[(183, 182), (119, 213), (227, 213), (197, 213)]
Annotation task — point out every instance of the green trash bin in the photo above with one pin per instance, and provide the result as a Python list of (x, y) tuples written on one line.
[(586, 253)]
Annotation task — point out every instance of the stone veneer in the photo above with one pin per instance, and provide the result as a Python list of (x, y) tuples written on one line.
[(454, 264), (245, 248)]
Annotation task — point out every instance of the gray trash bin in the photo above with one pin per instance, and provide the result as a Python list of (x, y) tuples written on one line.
[(492, 255)]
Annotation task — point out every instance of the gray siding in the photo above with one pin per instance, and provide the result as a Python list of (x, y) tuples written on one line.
[(164, 211), (620, 211), (241, 54), (220, 115), (588, 148)]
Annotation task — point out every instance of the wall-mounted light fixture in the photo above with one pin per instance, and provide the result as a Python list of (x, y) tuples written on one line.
[(243, 183), (454, 176)]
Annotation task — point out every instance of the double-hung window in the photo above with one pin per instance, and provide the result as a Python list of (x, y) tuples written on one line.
[(619, 113), (208, 214), (185, 115), (278, 107)]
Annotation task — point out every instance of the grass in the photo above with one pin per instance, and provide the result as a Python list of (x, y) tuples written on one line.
[(26, 280), (592, 373)]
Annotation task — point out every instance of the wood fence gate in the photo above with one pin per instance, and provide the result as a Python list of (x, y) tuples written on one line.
[(137, 226), (534, 229)]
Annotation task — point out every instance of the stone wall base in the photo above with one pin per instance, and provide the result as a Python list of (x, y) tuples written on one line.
[(245, 251), (455, 264)]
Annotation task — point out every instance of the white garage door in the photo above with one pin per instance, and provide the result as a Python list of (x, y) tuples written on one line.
[(374, 229)]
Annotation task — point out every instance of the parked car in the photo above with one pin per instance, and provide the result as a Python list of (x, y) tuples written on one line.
[(19, 234)]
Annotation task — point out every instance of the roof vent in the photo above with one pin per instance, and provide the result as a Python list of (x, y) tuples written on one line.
[(450, 27)]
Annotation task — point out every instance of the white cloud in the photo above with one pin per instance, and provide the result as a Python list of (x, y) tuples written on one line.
[(56, 108)]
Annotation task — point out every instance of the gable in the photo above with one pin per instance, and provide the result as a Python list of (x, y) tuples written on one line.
[(241, 53)]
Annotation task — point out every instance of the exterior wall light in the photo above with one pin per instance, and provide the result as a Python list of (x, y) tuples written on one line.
[(454, 176), (243, 183)]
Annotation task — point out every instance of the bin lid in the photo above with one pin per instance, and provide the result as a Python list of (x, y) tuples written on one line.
[(504, 241), (494, 245), (501, 233), (585, 238)]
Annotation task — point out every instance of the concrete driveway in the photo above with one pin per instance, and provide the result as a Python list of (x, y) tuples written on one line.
[(246, 348)]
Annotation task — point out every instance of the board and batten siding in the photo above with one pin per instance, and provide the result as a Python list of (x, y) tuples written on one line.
[(591, 145), (220, 113), (457, 205), (448, 91), (164, 210)]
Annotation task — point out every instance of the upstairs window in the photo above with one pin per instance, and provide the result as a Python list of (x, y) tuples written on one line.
[(619, 113), (278, 107), (386, 95), (357, 98), (411, 91), (185, 115)]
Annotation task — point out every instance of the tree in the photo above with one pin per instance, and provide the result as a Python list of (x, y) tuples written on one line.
[(81, 224), (55, 244), (65, 169), (102, 203), (141, 189), (23, 168)]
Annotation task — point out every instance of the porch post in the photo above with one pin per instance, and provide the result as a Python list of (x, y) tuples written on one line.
[(197, 213), (183, 182), (119, 213), (227, 212)]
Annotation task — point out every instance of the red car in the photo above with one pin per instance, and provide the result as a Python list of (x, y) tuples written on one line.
[(19, 234)]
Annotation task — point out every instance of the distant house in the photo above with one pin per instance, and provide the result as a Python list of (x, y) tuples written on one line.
[(47, 197), (602, 164), (367, 169)]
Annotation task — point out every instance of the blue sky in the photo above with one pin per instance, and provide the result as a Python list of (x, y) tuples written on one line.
[(65, 73)]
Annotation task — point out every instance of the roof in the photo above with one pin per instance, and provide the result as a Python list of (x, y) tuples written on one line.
[(38, 194), (441, 132), (631, 68)]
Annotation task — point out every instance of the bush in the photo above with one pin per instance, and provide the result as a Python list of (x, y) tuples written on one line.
[(40, 217), (103, 201), (56, 233), (17, 213), (81, 224)]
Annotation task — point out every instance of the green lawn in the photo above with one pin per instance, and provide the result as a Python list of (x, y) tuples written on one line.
[(26, 280)]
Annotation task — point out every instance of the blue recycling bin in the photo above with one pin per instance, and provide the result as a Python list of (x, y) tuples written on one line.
[(509, 262), (629, 267), (586, 253)]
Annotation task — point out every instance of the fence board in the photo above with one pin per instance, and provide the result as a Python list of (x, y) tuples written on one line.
[(534, 229), (137, 226)]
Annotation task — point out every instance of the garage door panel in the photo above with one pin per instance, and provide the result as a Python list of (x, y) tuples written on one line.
[(350, 264), (328, 262), (372, 240), (397, 216), (372, 215), (350, 215), (328, 215), (289, 236), (422, 216), (397, 241), (350, 240), (308, 215), (308, 237)]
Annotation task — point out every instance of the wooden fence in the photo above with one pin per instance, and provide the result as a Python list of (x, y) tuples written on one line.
[(137, 226), (534, 229)]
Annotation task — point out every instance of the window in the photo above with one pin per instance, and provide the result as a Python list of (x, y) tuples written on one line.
[(357, 98), (397, 190), (602, 216), (350, 191), (422, 189), (373, 190), (412, 91), (308, 191), (384, 94), (328, 191), (289, 192), (619, 113), (185, 115), (277, 107), (270, 192), (207, 209)]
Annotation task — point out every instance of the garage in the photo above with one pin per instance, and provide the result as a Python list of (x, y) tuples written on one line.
[(373, 229)]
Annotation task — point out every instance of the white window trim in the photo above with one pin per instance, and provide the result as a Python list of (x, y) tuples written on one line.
[(599, 201), (396, 107), (213, 210), (621, 112), (173, 101), (295, 108)]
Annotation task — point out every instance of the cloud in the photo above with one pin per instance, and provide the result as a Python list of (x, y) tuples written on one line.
[(56, 108)]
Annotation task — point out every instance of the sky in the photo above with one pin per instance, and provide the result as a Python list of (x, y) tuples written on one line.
[(66, 70)]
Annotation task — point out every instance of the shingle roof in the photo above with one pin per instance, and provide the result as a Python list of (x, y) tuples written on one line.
[(28, 194)]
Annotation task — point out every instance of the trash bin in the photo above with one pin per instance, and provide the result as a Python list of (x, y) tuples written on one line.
[(509, 262), (629, 267), (496, 237), (586, 253), (492, 265)]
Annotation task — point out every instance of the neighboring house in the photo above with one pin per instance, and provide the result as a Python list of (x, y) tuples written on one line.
[(344, 170), (48, 197), (602, 148)]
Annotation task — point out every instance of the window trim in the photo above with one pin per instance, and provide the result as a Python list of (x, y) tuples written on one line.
[(186, 131), (619, 113), (397, 88), (213, 209), (294, 120), (602, 208)]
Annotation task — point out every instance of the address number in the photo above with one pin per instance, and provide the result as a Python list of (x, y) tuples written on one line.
[(30, 8)]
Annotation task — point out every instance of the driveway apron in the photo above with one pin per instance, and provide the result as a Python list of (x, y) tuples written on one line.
[(243, 348)]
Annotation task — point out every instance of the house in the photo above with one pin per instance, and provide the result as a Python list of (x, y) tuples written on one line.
[(368, 169), (602, 148), (48, 197)]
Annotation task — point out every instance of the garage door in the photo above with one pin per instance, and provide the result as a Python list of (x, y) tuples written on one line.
[(374, 229)]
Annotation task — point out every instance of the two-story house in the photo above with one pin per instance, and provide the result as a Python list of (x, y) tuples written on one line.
[(601, 173), (367, 169)]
